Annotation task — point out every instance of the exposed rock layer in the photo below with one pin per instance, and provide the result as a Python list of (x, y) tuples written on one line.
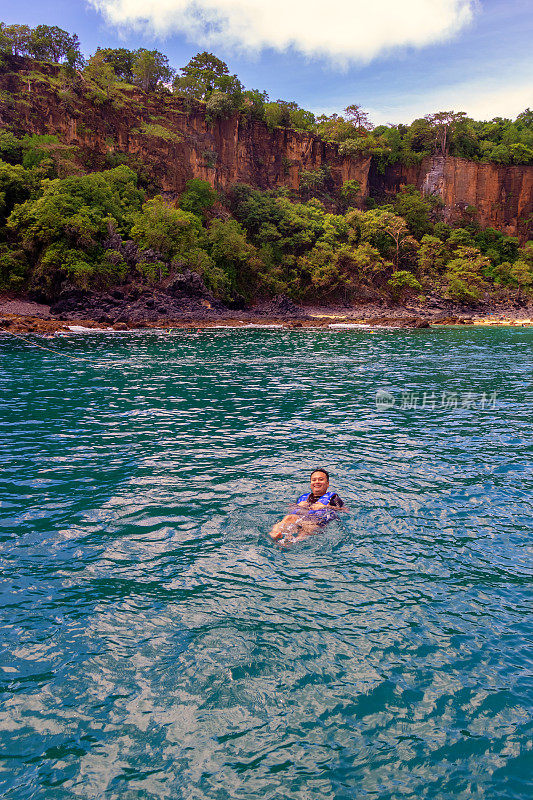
[(173, 137), (496, 195), (175, 141)]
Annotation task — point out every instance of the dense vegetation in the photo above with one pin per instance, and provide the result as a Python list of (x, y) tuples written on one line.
[(61, 227), (100, 229), (207, 79)]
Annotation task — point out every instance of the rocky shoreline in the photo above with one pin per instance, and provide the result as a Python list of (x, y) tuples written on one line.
[(185, 302), (36, 321)]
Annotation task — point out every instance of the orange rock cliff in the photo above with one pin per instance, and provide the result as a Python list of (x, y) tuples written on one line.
[(174, 140)]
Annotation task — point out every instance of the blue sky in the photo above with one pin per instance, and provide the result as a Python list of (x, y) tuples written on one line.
[(399, 59)]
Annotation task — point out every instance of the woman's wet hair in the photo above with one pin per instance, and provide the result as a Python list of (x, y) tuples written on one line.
[(321, 469)]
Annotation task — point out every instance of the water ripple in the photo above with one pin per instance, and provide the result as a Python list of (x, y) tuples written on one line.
[(156, 644)]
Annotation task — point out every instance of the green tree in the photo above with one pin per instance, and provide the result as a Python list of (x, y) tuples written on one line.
[(312, 182), (54, 158), (336, 128), (496, 245), (363, 145), (277, 115), (199, 196), (459, 237), (418, 139), (379, 221), (101, 72), (10, 148), (253, 103), (432, 256), (521, 276), (393, 140), (62, 230), (205, 74), (16, 39), (301, 119), (50, 43), (464, 275), (235, 257), (221, 105), (16, 183), (120, 59), (288, 114), (403, 283), (14, 267), (73, 61), (349, 194), (444, 124), (526, 253), (358, 117), (5, 44), (415, 209), (166, 229), (150, 69), (342, 269)]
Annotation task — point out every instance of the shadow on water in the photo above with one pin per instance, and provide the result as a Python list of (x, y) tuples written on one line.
[(158, 644)]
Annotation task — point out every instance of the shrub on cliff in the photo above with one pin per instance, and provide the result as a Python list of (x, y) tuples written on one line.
[(221, 105), (199, 196), (54, 158)]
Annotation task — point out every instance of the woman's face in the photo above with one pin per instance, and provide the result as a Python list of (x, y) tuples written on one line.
[(319, 484)]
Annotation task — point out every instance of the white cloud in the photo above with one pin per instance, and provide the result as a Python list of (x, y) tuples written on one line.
[(342, 30), (480, 100)]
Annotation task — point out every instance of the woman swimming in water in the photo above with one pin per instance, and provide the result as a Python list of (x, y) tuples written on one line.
[(313, 510)]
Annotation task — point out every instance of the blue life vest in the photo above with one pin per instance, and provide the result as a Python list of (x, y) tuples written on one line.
[(324, 514)]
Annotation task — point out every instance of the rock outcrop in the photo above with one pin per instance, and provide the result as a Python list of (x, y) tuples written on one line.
[(171, 137), (186, 296), (173, 140), (495, 195)]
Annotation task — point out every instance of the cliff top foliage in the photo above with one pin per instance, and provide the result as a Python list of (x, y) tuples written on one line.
[(61, 229), (207, 79)]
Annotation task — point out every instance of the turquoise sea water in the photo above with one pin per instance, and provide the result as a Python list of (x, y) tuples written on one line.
[(157, 644)]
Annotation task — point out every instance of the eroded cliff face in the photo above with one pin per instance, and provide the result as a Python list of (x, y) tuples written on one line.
[(495, 195), (174, 141), (173, 138)]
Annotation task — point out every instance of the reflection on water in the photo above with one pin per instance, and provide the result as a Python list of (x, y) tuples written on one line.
[(157, 643)]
